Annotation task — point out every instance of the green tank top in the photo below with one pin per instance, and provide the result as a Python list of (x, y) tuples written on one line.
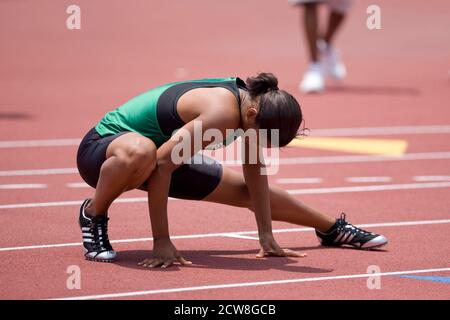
[(153, 113)]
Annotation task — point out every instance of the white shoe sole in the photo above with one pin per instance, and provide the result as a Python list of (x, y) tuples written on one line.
[(100, 260), (111, 256)]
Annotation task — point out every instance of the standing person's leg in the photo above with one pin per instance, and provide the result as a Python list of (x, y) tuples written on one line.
[(335, 20), (313, 80), (311, 25), (232, 190), (332, 63)]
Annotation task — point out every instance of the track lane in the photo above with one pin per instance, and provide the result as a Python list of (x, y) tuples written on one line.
[(229, 259), (391, 82)]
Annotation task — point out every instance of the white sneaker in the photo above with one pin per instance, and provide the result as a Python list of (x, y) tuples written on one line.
[(331, 62), (313, 79)]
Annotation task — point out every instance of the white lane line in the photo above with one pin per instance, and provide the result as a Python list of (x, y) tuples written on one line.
[(283, 161), (22, 186), (375, 131), (233, 234), (384, 187), (240, 236), (298, 180), (368, 179), (431, 178), (39, 143), (68, 203), (367, 225), (357, 158), (41, 204), (331, 132), (251, 284), (351, 159), (12, 173), (77, 185), (65, 203)]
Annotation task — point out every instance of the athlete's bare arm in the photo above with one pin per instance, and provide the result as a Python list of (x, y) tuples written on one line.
[(214, 110)]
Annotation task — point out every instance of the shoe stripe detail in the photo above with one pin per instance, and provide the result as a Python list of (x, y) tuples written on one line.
[(83, 206), (346, 238), (350, 238), (339, 237)]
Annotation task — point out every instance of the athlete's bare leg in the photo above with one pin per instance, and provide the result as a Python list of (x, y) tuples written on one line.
[(232, 190)]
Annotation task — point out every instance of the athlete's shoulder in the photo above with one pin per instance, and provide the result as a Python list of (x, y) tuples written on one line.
[(215, 79), (231, 80)]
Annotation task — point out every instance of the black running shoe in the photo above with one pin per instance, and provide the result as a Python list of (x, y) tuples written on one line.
[(344, 233), (95, 236)]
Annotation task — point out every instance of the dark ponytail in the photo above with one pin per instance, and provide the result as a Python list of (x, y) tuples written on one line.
[(277, 108), (262, 83)]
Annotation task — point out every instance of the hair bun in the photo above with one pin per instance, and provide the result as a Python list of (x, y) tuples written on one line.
[(262, 83)]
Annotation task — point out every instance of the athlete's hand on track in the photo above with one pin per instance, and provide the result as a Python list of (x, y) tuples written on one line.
[(269, 248), (164, 255)]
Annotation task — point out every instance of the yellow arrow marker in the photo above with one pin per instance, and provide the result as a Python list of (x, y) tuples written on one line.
[(382, 147)]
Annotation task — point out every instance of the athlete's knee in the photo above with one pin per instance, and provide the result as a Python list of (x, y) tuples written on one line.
[(143, 155), (140, 156), (139, 160)]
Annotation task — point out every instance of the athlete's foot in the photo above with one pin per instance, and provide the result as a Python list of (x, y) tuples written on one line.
[(95, 236), (343, 233), (330, 60)]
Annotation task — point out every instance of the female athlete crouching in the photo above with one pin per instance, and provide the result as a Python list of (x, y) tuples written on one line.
[(131, 147)]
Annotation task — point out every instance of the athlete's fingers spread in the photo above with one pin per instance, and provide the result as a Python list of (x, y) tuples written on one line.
[(265, 253), (282, 253), (148, 263), (145, 262), (291, 253), (260, 254), (156, 263), (183, 261), (276, 253), (166, 264)]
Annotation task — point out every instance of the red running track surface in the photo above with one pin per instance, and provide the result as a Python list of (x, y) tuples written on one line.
[(57, 83)]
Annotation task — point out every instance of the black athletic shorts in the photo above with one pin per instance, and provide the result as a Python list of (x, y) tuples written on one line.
[(194, 180)]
